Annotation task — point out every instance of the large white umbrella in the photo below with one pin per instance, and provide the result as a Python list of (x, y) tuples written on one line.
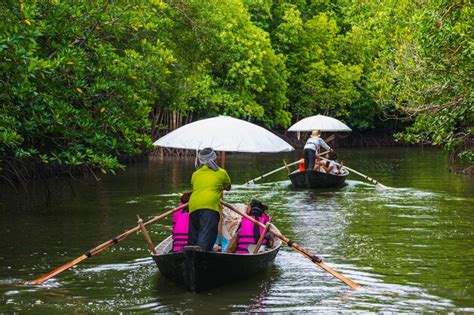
[(319, 122), (224, 133)]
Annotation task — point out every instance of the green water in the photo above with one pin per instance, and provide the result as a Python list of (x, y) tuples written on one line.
[(410, 247)]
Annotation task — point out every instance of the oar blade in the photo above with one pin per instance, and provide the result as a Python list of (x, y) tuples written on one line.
[(338, 275), (58, 270), (298, 248), (102, 247)]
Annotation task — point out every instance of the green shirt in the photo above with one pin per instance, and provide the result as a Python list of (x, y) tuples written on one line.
[(207, 188)]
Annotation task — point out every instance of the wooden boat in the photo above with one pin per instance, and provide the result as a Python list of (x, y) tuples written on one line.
[(199, 271), (316, 179)]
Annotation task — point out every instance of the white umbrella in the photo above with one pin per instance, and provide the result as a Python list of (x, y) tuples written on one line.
[(319, 122), (224, 133)]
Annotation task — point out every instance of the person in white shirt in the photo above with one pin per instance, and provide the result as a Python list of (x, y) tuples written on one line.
[(312, 147)]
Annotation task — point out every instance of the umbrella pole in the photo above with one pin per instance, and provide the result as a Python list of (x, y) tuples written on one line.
[(219, 227), (223, 159), (221, 212)]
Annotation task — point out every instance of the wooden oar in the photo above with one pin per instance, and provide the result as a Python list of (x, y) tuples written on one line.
[(315, 259), (252, 181), (102, 247), (233, 242), (146, 235), (262, 237), (370, 179)]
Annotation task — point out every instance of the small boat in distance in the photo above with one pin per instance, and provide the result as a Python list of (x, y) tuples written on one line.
[(198, 271), (316, 179)]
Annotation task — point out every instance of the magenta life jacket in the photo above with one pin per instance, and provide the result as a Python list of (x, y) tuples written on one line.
[(249, 233), (180, 229), (177, 214)]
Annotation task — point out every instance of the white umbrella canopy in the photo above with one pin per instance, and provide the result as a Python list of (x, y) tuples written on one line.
[(224, 133), (319, 122)]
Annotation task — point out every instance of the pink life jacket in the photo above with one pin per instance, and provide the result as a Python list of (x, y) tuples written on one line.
[(177, 214), (249, 233), (180, 229)]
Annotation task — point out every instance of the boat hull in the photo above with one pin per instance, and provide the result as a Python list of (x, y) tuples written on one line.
[(199, 271), (315, 179)]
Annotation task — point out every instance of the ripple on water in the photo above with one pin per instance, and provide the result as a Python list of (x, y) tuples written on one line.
[(410, 249)]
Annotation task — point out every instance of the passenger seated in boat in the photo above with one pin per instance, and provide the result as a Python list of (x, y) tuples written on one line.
[(180, 223), (320, 164), (329, 166), (249, 233)]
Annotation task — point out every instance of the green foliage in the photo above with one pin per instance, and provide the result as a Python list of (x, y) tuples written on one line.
[(421, 67), (238, 73), (77, 80), (321, 79), (83, 83)]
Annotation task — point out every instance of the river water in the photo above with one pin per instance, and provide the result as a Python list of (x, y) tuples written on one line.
[(411, 247)]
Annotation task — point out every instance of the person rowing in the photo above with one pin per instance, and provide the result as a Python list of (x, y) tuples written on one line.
[(311, 148), (208, 182)]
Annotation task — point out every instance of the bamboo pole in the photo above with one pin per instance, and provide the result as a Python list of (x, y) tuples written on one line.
[(222, 159)]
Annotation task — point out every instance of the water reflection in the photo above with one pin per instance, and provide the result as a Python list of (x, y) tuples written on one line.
[(247, 295)]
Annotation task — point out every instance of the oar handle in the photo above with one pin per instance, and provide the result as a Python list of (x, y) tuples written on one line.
[(272, 172), (322, 153), (102, 247), (278, 169), (315, 259)]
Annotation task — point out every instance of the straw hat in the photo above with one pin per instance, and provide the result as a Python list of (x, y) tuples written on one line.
[(316, 133)]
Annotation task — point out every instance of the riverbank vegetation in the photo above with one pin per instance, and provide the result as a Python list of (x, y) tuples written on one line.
[(84, 85)]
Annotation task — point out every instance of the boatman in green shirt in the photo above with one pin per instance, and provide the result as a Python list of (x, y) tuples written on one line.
[(208, 181)]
